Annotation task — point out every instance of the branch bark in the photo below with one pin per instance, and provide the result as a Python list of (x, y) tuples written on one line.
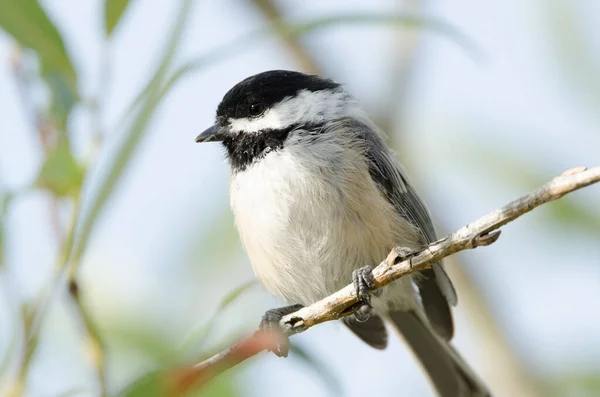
[(484, 231)]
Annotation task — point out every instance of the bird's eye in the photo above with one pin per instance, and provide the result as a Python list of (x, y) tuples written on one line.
[(256, 109)]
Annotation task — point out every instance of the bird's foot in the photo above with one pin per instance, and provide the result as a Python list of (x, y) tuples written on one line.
[(364, 286), (270, 321)]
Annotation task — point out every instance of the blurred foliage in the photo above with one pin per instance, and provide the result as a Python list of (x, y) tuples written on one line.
[(1, 241), (133, 136), (74, 393), (218, 244), (221, 386), (574, 52), (312, 26), (5, 360), (577, 384), (157, 384), (195, 343), (520, 173), (235, 294), (149, 385), (29, 25), (140, 338), (321, 370), (167, 355), (60, 172), (113, 11), (394, 20), (4, 200)]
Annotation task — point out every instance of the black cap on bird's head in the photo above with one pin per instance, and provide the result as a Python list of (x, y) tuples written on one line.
[(259, 113), (252, 97)]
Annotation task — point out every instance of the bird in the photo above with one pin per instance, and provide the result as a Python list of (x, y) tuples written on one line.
[(319, 199)]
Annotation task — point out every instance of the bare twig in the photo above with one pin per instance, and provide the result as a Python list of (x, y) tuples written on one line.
[(484, 231), (96, 344)]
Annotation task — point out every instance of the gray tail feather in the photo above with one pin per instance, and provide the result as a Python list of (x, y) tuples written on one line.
[(372, 331), (450, 374)]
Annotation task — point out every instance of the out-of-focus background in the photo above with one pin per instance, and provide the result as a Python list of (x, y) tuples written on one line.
[(118, 253)]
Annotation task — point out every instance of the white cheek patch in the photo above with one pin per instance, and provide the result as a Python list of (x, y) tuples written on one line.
[(271, 119), (305, 107)]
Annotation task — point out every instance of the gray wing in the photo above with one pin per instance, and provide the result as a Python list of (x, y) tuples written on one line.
[(435, 287)]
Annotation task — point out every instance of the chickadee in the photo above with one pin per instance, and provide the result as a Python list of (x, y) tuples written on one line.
[(319, 199)]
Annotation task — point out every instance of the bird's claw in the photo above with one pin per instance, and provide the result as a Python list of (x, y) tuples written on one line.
[(270, 321), (364, 286)]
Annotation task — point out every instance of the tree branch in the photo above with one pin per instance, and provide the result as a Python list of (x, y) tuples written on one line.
[(483, 231)]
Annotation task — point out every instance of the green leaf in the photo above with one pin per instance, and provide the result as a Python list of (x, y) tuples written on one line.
[(28, 24), (60, 173), (63, 99), (335, 387), (132, 138), (113, 11)]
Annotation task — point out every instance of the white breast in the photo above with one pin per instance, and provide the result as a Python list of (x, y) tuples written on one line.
[(309, 217)]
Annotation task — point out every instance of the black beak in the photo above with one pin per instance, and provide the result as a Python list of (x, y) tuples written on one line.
[(211, 134)]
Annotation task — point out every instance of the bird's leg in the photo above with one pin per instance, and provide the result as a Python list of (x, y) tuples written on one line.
[(364, 286), (271, 319)]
